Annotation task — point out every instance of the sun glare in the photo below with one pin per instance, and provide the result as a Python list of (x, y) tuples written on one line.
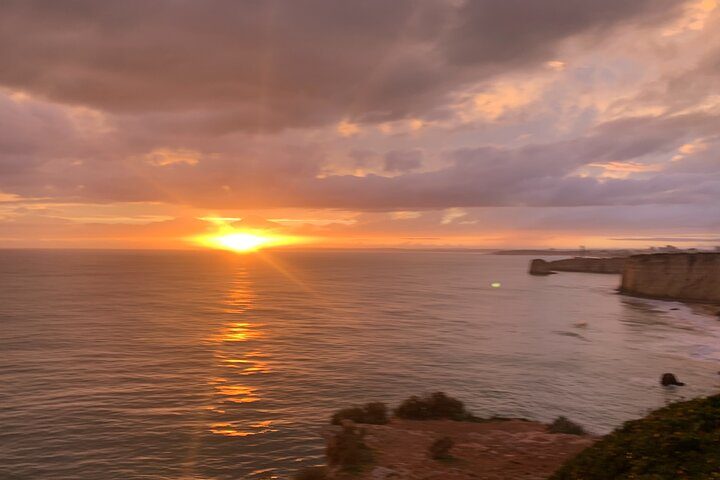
[(241, 242), (227, 237)]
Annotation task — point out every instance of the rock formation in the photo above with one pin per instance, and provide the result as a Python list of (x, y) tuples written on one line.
[(693, 277), (668, 379), (578, 264)]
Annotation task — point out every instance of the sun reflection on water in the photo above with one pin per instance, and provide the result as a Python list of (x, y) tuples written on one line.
[(237, 357), (250, 365), (231, 429), (238, 332)]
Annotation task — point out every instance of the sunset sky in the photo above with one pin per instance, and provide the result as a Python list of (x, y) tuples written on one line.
[(488, 123)]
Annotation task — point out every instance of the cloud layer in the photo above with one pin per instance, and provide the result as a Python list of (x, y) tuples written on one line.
[(373, 106)]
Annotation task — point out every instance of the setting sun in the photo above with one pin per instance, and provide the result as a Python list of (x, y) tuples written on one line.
[(239, 242), (229, 236)]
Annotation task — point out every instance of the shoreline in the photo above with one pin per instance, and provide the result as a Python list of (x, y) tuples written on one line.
[(704, 307)]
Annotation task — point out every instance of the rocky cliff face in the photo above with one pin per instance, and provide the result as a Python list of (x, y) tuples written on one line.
[(677, 276), (578, 264)]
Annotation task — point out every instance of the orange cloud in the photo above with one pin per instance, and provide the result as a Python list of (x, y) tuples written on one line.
[(624, 169), (162, 157)]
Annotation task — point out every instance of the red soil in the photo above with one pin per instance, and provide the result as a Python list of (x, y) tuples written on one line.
[(497, 450)]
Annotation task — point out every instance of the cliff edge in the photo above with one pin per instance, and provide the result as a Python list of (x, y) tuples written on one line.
[(578, 264), (693, 277), (495, 450)]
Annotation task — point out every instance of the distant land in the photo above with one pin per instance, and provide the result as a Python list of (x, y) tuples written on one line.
[(581, 252)]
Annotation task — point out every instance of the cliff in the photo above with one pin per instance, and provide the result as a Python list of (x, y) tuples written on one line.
[(578, 264), (493, 450), (691, 277)]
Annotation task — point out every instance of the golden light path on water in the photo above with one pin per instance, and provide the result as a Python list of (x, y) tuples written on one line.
[(236, 363)]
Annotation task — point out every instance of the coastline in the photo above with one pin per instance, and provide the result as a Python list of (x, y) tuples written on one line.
[(710, 308)]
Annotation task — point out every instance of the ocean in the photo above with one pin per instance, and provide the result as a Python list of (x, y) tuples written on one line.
[(212, 365)]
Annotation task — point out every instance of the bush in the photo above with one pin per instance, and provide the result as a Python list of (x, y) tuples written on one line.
[(440, 448), (432, 407), (563, 425), (373, 413), (680, 441), (312, 473), (348, 450)]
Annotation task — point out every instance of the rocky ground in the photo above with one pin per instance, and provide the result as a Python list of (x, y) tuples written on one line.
[(495, 450)]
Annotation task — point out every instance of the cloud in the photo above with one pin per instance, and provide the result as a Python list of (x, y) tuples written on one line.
[(403, 160), (452, 214), (694, 17), (221, 65), (399, 113), (267, 173), (163, 157), (512, 32)]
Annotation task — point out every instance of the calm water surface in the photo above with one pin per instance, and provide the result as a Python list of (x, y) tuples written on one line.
[(206, 365)]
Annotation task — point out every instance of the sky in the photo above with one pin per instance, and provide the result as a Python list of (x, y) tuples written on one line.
[(374, 123)]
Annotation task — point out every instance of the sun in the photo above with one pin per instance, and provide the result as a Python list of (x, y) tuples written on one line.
[(240, 242)]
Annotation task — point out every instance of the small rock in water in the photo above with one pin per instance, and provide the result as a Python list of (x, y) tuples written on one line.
[(669, 379)]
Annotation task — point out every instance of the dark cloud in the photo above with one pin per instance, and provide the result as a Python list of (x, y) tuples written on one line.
[(397, 161), (510, 32), (225, 65)]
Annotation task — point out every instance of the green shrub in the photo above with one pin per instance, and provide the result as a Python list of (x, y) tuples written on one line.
[(680, 441), (563, 425), (374, 413), (440, 448), (434, 406), (312, 473), (348, 450)]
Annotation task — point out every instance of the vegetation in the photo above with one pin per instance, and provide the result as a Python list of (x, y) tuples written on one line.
[(440, 448), (680, 441), (373, 413), (312, 473), (433, 407), (348, 450), (563, 425)]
